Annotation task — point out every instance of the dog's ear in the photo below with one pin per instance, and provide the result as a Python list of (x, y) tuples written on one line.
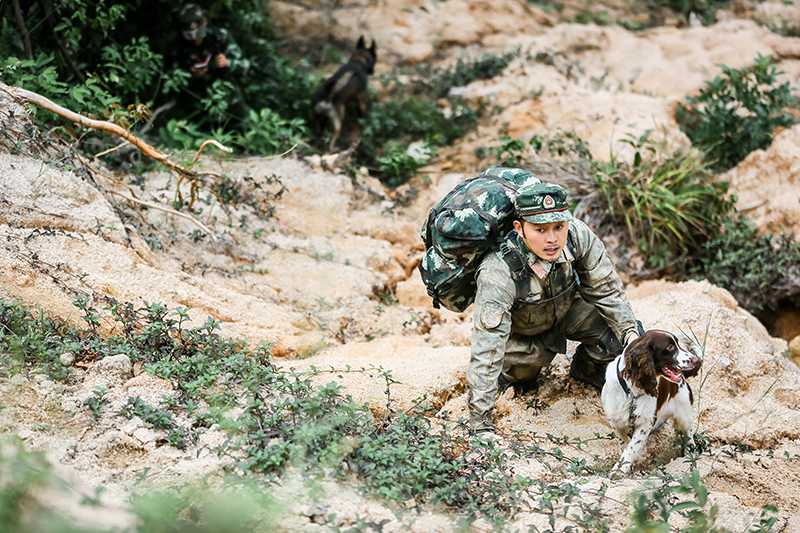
[(360, 44), (639, 365), (372, 48)]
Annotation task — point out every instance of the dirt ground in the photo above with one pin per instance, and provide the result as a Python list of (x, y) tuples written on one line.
[(317, 277)]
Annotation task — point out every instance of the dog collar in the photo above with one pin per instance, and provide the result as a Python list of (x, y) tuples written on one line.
[(622, 381)]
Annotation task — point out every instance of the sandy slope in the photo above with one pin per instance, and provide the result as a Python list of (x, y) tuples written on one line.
[(315, 277)]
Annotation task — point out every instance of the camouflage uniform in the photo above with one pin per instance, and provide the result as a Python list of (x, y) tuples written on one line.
[(215, 41), (521, 324), (462, 228)]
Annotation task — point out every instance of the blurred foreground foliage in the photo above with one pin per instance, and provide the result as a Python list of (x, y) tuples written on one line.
[(278, 425)]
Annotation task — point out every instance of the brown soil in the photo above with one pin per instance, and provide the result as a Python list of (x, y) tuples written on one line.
[(310, 278)]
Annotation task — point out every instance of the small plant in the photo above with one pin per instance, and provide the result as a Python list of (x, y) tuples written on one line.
[(562, 144), (700, 520), (96, 402), (27, 341), (510, 153), (269, 133), (158, 418), (705, 10), (737, 113), (438, 84), (396, 165), (277, 420)]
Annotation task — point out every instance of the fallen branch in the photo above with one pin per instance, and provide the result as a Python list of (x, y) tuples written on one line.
[(167, 210), (150, 151), (146, 149)]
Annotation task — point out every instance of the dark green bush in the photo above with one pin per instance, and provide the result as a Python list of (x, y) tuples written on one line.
[(666, 203), (287, 420), (737, 113), (27, 340), (761, 271), (403, 121), (437, 83), (706, 10), (88, 56)]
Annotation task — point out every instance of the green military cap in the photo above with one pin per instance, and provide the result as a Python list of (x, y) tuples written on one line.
[(540, 203), (191, 22)]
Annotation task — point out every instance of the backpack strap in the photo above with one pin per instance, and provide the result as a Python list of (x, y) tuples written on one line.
[(513, 259), (573, 252)]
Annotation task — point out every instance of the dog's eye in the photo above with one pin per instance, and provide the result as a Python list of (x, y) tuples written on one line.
[(671, 348)]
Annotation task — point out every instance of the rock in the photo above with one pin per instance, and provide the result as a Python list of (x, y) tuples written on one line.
[(116, 369), (794, 346), (67, 358)]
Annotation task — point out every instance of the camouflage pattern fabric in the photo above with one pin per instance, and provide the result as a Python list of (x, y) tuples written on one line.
[(522, 323), (217, 41), (542, 203), (462, 228)]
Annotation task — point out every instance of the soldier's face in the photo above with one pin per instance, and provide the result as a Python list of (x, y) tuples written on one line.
[(544, 240)]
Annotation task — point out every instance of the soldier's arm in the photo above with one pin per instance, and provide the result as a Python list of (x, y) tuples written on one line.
[(237, 64), (600, 285), (491, 328)]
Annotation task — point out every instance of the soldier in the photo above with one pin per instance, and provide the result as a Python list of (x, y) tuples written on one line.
[(551, 280), (209, 53)]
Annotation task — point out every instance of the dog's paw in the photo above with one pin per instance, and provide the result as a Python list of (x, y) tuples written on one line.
[(620, 470)]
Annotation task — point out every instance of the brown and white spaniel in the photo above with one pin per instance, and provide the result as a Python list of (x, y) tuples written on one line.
[(646, 385)]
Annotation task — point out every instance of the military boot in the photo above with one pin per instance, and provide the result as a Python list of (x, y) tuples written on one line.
[(587, 369), (528, 383)]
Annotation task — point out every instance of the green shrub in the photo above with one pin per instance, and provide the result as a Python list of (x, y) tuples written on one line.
[(510, 153), (437, 84), (396, 166), (403, 121), (287, 420), (705, 9), (665, 203), (87, 56), (652, 510), (669, 204), (737, 113), (27, 340), (761, 271)]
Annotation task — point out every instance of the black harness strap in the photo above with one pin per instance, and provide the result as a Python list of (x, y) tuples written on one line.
[(622, 381), (513, 259)]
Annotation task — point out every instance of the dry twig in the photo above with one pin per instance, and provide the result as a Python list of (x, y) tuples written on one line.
[(145, 148)]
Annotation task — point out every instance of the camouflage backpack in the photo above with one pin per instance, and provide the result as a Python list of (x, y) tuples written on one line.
[(467, 223)]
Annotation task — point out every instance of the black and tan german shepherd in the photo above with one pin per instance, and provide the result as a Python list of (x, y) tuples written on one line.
[(348, 84)]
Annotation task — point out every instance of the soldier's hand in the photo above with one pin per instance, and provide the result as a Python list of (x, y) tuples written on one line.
[(198, 71), (630, 337), (220, 61)]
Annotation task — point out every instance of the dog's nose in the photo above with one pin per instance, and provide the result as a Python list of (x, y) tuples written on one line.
[(694, 360)]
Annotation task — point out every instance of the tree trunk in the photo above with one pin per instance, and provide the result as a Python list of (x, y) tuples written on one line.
[(23, 31)]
